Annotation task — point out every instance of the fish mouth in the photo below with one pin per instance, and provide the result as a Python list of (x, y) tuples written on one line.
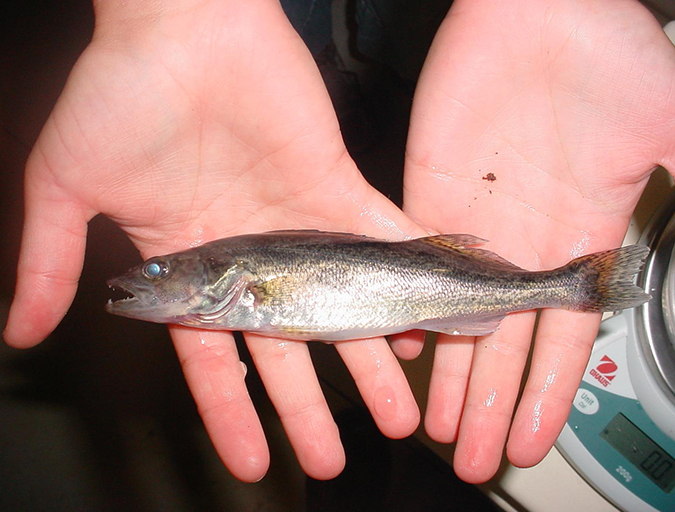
[(133, 304), (140, 302)]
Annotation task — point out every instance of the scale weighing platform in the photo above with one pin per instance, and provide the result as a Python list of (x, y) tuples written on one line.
[(620, 435)]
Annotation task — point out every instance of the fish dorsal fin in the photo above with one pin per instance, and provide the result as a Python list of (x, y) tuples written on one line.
[(459, 241), (316, 232), (462, 243), (296, 232)]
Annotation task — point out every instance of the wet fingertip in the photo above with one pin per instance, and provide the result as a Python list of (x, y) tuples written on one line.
[(525, 454), (408, 345), (385, 404), (533, 434), (21, 337), (8, 339), (329, 470), (440, 423), (523, 460), (474, 471), (395, 416), (440, 433), (525, 451), (468, 473), (412, 422), (406, 350), (254, 469), (323, 461)]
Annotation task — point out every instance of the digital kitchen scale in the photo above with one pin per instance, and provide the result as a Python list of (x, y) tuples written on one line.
[(620, 435)]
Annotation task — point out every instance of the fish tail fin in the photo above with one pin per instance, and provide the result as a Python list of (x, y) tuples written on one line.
[(606, 279)]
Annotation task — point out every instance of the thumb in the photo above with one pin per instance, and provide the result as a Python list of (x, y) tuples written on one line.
[(51, 257)]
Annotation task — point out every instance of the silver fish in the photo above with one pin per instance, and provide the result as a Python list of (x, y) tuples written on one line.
[(312, 285)]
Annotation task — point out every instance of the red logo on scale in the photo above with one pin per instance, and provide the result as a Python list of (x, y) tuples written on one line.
[(605, 372)]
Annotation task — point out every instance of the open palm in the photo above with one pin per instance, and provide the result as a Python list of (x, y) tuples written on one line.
[(193, 125), (535, 125)]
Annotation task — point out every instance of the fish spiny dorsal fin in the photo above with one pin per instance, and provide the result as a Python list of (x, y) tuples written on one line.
[(462, 244), (459, 241)]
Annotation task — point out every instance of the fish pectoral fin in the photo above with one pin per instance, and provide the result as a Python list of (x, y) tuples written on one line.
[(464, 326), (462, 244), (264, 290)]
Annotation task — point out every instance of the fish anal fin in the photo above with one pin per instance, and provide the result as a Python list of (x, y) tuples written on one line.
[(463, 326)]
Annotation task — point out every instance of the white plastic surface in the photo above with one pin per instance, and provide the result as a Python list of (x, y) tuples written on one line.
[(669, 29), (652, 398)]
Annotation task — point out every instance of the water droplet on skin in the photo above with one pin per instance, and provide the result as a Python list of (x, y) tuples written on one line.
[(378, 361), (579, 247), (374, 355), (244, 368), (197, 237), (490, 400), (285, 346), (384, 403), (552, 375), (385, 223), (536, 417)]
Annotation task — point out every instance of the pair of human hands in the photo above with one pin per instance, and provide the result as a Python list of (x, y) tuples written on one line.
[(192, 121)]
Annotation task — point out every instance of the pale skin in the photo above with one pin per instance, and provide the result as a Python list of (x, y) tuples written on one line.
[(571, 105), (182, 124)]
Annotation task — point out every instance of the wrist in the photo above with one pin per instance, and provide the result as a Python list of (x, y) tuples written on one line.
[(129, 14), (127, 17)]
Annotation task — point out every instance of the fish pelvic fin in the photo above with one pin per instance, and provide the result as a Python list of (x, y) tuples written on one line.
[(607, 279), (463, 326)]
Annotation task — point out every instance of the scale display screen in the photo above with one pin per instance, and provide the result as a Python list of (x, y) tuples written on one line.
[(652, 460)]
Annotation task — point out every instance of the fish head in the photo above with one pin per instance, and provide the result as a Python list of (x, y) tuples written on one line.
[(178, 288)]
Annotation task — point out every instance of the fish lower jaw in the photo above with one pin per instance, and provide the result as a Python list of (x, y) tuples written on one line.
[(118, 306), (123, 294)]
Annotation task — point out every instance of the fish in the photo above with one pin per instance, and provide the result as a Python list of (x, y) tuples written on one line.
[(324, 286)]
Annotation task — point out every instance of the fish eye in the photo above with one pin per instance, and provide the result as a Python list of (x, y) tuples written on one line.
[(155, 269)]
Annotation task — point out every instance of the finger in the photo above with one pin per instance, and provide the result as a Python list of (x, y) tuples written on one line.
[(448, 386), (215, 376), (563, 345), (498, 363), (375, 215), (292, 385), (382, 385), (50, 260), (407, 345)]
